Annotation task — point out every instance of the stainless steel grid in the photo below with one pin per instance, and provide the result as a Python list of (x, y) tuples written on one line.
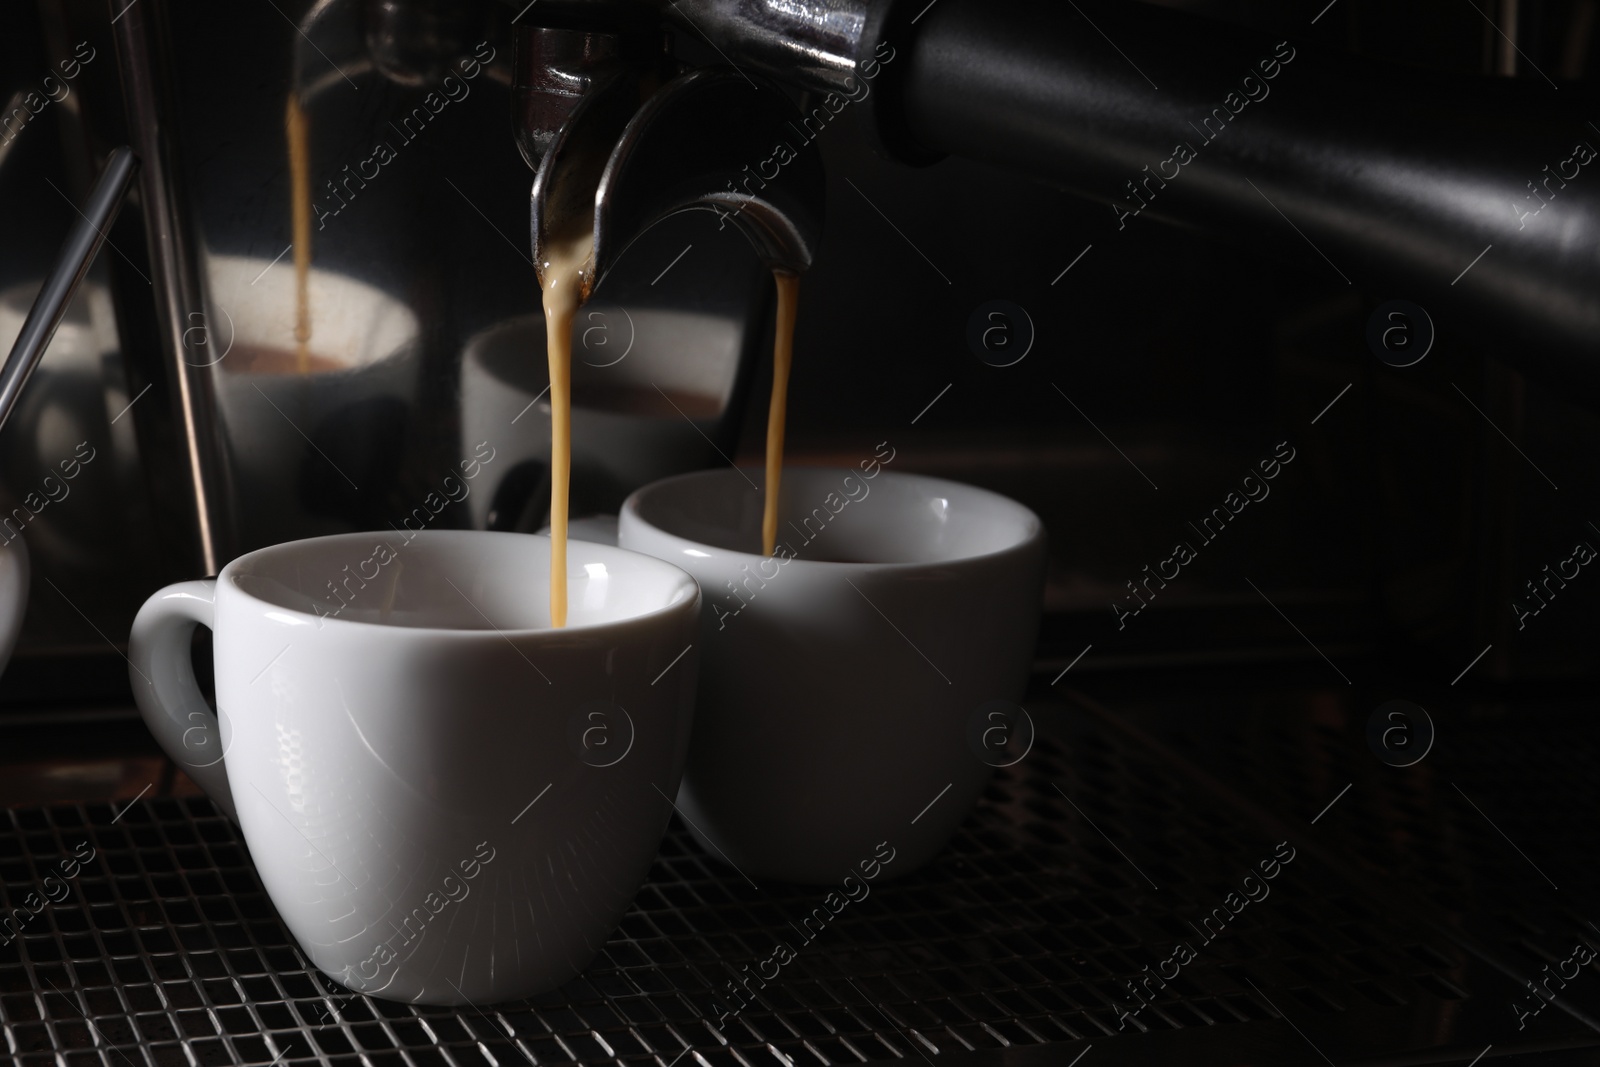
[(1085, 863), (1492, 831)]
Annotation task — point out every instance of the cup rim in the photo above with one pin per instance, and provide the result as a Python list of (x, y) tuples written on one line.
[(691, 603), (222, 267), (1033, 536)]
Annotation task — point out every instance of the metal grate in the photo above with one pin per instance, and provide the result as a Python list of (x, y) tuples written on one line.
[(1491, 831), (1085, 863)]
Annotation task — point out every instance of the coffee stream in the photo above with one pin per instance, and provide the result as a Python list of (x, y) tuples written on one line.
[(782, 356), (300, 201), (562, 280)]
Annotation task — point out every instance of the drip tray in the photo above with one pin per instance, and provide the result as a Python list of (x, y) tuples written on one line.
[(1099, 904)]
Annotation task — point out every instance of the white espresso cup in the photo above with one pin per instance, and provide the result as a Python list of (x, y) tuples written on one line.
[(290, 430), (844, 679), (447, 800)]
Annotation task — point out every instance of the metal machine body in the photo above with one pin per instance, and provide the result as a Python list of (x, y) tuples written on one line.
[(1171, 337), (1357, 181)]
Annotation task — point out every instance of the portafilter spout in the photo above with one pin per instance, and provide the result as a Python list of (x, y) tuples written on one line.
[(1405, 178), (704, 141), (718, 141)]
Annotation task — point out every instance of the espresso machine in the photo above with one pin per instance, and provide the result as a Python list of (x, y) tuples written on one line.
[(669, 123), (1104, 257)]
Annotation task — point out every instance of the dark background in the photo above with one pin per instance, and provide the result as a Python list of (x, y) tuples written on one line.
[(1405, 526)]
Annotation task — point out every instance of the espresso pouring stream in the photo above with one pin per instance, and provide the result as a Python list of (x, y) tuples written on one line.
[(562, 281), (782, 356), (300, 209)]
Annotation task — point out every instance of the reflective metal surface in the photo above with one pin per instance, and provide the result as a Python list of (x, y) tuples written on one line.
[(556, 69), (704, 142), (811, 44), (78, 252), (1390, 177), (1045, 931), (1386, 179), (417, 248), (176, 277), (1410, 524)]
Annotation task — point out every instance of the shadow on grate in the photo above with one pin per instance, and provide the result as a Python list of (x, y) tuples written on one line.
[(1489, 826), (1093, 896)]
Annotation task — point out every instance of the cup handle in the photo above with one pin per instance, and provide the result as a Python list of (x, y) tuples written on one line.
[(165, 689)]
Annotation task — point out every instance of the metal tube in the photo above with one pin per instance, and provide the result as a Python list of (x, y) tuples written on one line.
[(50, 306), (810, 44), (1456, 193), (179, 294)]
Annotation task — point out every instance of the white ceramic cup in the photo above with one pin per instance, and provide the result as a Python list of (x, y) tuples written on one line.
[(624, 432), (447, 800), (281, 428), (838, 688)]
